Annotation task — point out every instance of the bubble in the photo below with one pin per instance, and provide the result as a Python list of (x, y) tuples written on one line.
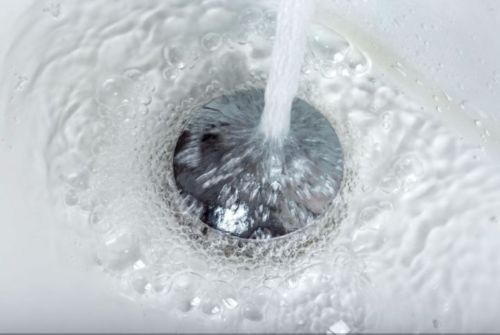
[(357, 63), (141, 285), (210, 307), (175, 57), (326, 45), (96, 219), (252, 313), (170, 73), (114, 92), (211, 41), (181, 57), (389, 184), (80, 180), (119, 251)]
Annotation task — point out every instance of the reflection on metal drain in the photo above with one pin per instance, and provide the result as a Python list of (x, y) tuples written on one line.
[(248, 186)]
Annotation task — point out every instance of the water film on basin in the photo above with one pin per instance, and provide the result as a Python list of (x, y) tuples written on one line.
[(96, 98)]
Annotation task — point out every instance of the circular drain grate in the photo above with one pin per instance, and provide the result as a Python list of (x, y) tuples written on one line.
[(246, 185)]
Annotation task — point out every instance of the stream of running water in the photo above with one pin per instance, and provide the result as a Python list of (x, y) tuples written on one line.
[(286, 61)]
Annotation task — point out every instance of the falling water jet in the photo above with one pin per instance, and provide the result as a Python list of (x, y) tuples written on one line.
[(286, 62), (257, 164)]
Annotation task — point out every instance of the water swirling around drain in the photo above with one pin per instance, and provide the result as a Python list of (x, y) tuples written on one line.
[(242, 183)]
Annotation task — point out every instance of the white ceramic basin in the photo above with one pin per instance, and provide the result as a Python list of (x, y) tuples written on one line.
[(450, 46)]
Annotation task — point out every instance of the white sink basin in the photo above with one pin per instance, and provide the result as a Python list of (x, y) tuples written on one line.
[(444, 55)]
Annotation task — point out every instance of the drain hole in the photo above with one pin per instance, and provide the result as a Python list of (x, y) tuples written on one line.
[(251, 187)]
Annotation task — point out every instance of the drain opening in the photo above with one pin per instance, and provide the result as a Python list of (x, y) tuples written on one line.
[(248, 186)]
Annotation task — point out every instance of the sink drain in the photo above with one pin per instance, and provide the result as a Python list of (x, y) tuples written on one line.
[(248, 186)]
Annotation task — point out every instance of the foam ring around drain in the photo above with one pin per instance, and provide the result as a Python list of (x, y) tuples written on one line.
[(245, 185)]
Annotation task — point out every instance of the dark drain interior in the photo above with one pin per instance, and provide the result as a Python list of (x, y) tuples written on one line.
[(247, 185)]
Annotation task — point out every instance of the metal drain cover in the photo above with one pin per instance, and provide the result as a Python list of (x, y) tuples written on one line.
[(248, 186)]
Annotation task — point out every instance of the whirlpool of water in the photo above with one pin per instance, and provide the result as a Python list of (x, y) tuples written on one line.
[(105, 89)]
